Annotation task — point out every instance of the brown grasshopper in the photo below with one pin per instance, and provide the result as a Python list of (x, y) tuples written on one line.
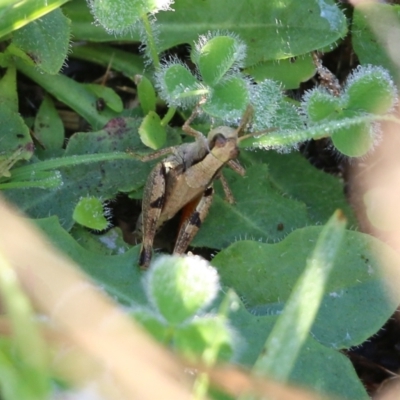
[(184, 181)]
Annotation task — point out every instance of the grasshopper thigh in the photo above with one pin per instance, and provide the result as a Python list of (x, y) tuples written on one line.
[(152, 204), (192, 221)]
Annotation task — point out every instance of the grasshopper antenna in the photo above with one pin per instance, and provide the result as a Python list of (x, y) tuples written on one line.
[(247, 116)]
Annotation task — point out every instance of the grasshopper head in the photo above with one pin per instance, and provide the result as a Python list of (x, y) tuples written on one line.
[(224, 147), (226, 131)]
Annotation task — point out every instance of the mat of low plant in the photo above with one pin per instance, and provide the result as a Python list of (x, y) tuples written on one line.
[(289, 286)]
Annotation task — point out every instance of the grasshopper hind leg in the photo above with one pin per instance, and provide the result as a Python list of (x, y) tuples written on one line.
[(192, 217), (152, 204)]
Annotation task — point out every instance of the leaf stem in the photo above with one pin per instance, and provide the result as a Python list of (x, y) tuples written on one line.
[(286, 139), (150, 42), (168, 116)]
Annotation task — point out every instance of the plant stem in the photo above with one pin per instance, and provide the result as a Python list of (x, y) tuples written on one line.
[(200, 387), (150, 42), (168, 116), (286, 139)]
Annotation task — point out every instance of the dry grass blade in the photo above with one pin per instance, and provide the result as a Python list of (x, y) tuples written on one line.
[(139, 367), (237, 383)]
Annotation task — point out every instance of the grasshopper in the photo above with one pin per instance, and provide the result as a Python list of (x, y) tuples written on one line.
[(184, 182)]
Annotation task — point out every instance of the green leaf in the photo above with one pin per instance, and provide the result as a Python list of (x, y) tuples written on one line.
[(191, 286), (46, 41), (194, 340), (266, 97), (49, 129), (286, 339), (8, 89), (371, 89), (109, 243), (13, 51), (116, 171), (319, 104), (152, 322), (89, 212), (84, 25), (117, 274), (361, 294), (146, 93), (293, 175), (272, 30), (355, 141), (15, 13), (290, 72), (118, 16), (217, 56), (122, 61), (228, 99), (151, 132), (287, 118), (106, 94), (104, 179), (271, 110), (70, 92), (260, 211), (16, 142), (177, 85), (336, 378)]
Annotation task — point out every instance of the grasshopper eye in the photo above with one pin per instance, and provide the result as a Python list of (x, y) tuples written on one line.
[(218, 140)]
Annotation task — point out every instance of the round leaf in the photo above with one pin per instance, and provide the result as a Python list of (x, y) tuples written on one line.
[(180, 287), (216, 57), (372, 90), (107, 95), (265, 98), (146, 93), (117, 16), (228, 100), (46, 41), (361, 294), (290, 72), (49, 128), (175, 82), (89, 212), (319, 105), (151, 132), (355, 141)]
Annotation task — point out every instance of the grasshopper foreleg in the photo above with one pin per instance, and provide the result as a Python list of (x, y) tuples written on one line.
[(228, 192), (233, 164), (192, 217)]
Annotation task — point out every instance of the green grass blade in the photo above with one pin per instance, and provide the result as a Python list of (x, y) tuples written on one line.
[(291, 330)]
